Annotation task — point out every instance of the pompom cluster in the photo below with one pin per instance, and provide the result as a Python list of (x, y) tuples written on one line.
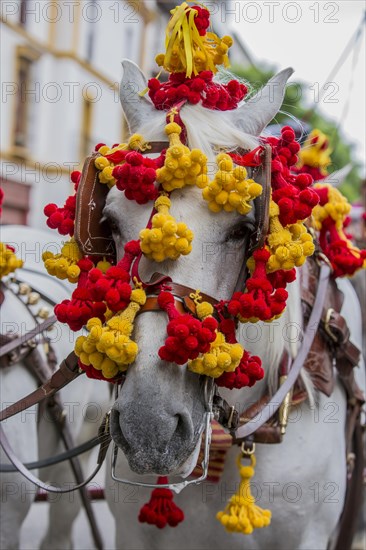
[(262, 301), (230, 190), (8, 260), (161, 510), (292, 193), (166, 239), (187, 336), (136, 177), (64, 265), (222, 97), (109, 348), (330, 217), (289, 246), (82, 307), (314, 157), (182, 166), (63, 218)]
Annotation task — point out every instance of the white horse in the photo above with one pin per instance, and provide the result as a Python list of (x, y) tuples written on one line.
[(157, 418), (32, 441)]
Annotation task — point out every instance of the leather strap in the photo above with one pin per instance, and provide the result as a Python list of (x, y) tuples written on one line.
[(68, 371), (61, 457), (270, 408), (105, 440), (354, 491), (25, 338)]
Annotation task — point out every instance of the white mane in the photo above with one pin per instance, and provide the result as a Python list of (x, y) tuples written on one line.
[(206, 129)]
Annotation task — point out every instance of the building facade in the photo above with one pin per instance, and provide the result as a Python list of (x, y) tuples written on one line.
[(61, 66)]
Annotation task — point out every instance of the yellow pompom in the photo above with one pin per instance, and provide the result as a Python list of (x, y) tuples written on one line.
[(222, 357), (204, 309), (230, 190), (186, 50), (166, 239), (8, 261), (181, 166), (289, 246), (63, 265), (108, 347)]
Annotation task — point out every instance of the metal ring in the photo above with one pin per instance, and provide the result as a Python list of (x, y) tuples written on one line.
[(247, 452), (320, 256), (327, 328)]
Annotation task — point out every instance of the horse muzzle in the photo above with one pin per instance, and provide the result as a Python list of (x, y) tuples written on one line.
[(159, 443)]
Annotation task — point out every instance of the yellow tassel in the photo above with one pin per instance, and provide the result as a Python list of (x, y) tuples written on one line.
[(289, 246), (8, 261), (241, 514), (182, 166), (187, 51), (231, 189), (167, 239), (64, 265), (109, 348)]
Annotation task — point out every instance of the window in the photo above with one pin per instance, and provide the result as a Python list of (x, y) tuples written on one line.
[(85, 144), (90, 39), (26, 95)]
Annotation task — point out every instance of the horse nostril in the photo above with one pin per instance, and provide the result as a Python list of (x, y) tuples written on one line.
[(184, 427)]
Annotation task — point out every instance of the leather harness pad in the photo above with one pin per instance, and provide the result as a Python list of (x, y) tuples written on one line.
[(93, 236)]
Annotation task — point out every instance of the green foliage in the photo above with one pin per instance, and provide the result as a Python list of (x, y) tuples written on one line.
[(299, 104)]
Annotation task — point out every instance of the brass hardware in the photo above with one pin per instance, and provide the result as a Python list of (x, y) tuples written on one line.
[(247, 452), (284, 410), (33, 298), (327, 328), (230, 421), (24, 289), (43, 313), (320, 257)]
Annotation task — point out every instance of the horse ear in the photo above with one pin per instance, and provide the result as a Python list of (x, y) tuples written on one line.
[(258, 111), (136, 108), (337, 178)]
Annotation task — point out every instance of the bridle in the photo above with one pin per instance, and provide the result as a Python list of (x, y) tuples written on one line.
[(89, 198)]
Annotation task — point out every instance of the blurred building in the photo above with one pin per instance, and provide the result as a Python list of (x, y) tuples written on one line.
[(60, 71)]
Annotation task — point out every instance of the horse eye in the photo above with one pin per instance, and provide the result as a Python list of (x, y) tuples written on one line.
[(113, 226), (237, 234)]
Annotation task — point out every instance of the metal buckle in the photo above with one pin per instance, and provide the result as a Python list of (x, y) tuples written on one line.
[(327, 328)]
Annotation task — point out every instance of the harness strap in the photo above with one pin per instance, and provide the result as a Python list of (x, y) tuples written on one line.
[(20, 341), (274, 404), (68, 371), (105, 440), (43, 371), (52, 460)]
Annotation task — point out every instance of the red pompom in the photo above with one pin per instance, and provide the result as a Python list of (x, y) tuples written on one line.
[(161, 509)]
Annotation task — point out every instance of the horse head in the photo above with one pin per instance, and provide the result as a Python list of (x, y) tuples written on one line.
[(157, 419)]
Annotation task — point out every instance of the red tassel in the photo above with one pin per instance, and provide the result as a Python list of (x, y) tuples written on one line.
[(263, 299), (161, 510), (292, 193), (187, 336)]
